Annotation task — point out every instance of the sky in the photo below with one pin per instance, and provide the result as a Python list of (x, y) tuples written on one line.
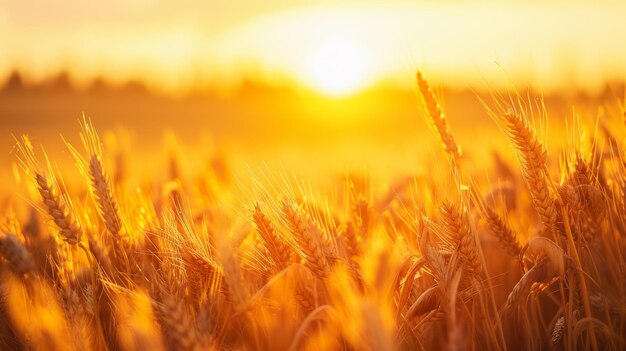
[(334, 47)]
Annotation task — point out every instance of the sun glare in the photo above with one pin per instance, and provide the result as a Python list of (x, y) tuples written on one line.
[(337, 69)]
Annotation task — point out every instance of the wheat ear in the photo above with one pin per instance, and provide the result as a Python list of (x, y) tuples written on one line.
[(437, 117), (308, 236), (275, 245), (178, 325), (109, 209), (533, 157), (503, 232), (55, 206), (458, 226), (20, 260)]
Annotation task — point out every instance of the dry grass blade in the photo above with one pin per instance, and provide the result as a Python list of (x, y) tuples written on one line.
[(426, 302), (538, 273)]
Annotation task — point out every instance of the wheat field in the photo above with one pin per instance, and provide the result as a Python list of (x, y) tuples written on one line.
[(524, 254)]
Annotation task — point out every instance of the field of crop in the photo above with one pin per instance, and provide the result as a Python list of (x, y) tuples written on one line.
[(521, 248)]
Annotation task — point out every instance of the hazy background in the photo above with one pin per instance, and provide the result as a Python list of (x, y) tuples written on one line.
[(176, 46)]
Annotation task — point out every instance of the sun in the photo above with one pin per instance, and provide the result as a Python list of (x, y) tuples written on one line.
[(337, 69)]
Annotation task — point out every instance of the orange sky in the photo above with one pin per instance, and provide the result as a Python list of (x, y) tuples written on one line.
[(335, 47)]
